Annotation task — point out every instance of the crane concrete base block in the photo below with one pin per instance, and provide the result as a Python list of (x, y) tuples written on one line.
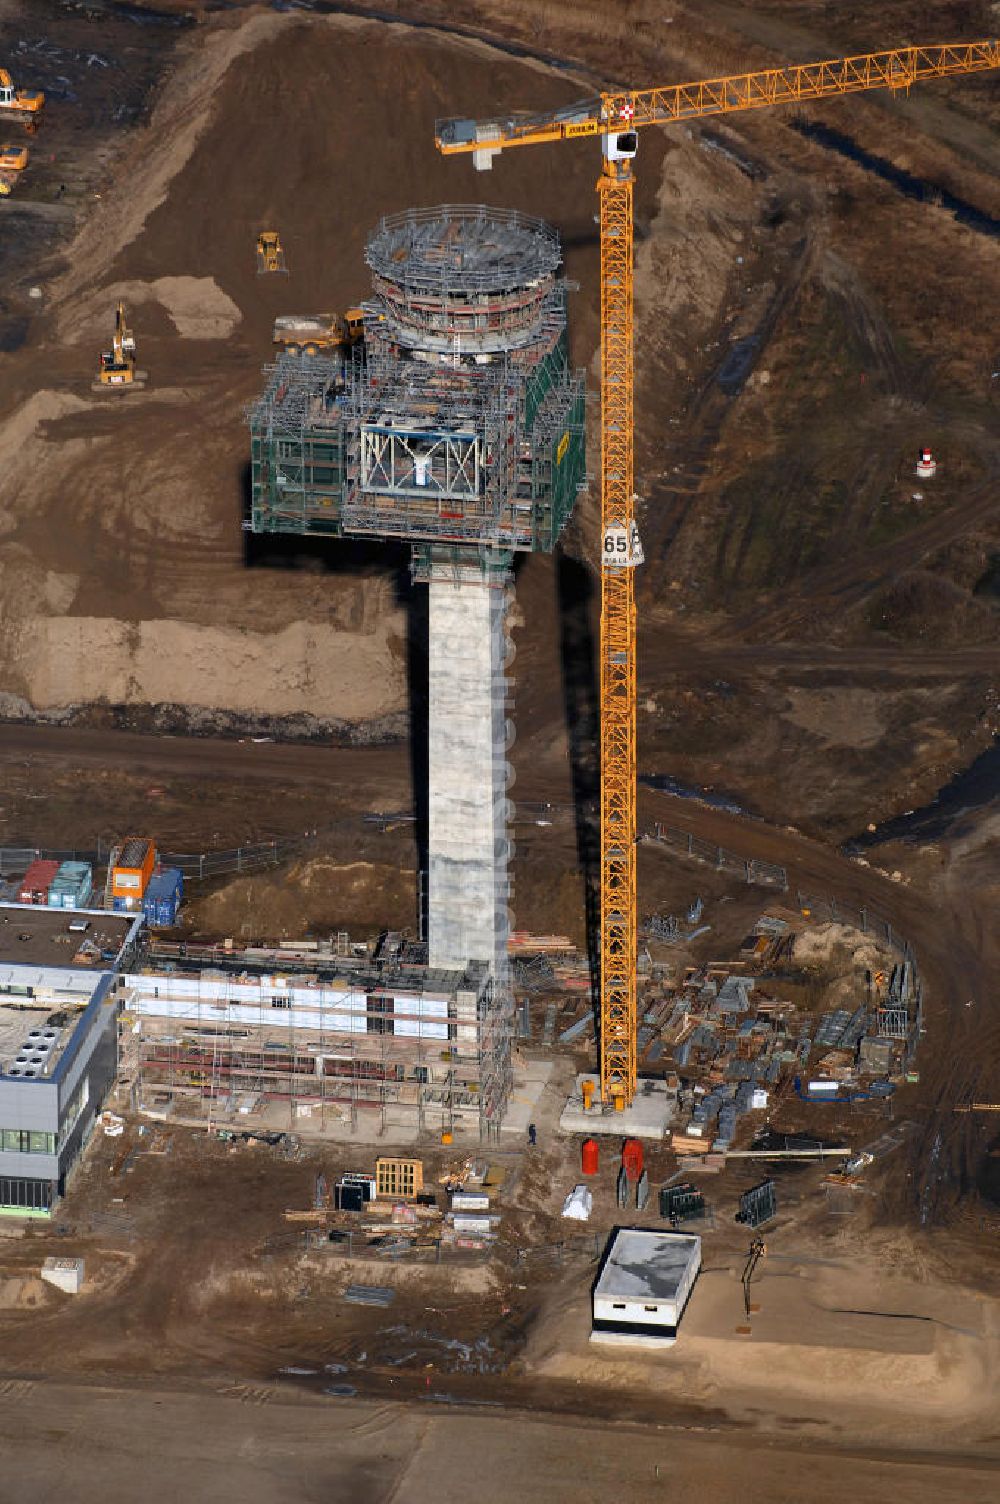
[(650, 1115)]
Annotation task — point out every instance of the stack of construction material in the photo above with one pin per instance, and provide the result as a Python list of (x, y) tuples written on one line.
[(573, 975), (681, 1203), (470, 1229), (36, 882), (520, 943), (72, 886), (353, 1192), (398, 1179)]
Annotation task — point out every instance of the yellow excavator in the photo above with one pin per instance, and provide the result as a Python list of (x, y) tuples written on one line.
[(23, 105), (117, 366)]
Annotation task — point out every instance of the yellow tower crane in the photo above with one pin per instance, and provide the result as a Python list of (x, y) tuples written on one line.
[(616, 116)]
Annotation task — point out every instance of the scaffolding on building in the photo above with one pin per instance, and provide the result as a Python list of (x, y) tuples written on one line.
[(463, 278), (460, 421), (409, 1045)]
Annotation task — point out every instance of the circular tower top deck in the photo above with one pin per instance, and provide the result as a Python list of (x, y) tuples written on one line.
[(465, 277)]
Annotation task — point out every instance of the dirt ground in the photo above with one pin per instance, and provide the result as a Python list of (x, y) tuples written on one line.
[(767, 518), (339, 1451), (818, 641), (195, 1282)]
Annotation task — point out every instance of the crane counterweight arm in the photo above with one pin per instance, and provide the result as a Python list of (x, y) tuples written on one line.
[(630, 108)]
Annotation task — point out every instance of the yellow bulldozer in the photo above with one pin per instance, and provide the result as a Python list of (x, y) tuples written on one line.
[(270, 253), (116, 367)]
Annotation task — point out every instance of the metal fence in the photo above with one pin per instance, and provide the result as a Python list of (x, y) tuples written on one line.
[(196, 866), (866, 920), (751, 870)]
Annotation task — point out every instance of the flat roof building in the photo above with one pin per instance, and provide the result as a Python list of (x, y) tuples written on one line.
[(58, 1025), (644, 1285), (43, 937)]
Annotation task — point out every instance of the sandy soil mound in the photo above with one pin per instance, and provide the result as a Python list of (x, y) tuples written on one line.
[(314, 896), (838, 943), (196, 306), (24, 1292)]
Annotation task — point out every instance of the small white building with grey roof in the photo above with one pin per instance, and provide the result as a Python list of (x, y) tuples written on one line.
[(644, 1285)]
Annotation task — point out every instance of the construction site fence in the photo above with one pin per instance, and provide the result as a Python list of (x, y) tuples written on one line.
[(586, 1246), (866, 920), (750, 869), (349, 1244), (196, 866)]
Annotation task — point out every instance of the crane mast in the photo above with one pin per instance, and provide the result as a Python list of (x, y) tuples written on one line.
[(618, 639), (616, 116)]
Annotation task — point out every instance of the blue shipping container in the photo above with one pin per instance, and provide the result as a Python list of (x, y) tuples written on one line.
[(161, 914), (166, 882), (163, 896)]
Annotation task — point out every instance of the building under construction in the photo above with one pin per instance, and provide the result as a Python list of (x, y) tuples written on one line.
[(459, 426), (459, 422), (315, 1039)]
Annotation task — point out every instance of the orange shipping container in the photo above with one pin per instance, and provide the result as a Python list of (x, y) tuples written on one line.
[(134, 867)]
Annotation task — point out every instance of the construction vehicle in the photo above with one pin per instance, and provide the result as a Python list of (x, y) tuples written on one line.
[(308, 334), (22, 105), (117, 366), (13, 161), (616, 118), (270, 253)]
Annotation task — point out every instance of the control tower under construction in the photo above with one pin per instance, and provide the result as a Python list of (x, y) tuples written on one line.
[(457, 425)]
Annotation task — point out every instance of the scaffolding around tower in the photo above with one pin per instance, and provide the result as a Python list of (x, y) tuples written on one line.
[(459, 421)]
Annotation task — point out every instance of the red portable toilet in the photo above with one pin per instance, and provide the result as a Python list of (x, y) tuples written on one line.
[(632, 1158), (590, 1156)]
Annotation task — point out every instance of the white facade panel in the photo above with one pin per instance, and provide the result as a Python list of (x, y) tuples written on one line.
[(325, 1010), (420, 1017)]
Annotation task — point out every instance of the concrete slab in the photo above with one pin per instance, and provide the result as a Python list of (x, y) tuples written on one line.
[(530, 1081), (649, 1116)]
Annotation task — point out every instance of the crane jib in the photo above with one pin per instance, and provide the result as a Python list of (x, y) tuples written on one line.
[(897, 69)]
